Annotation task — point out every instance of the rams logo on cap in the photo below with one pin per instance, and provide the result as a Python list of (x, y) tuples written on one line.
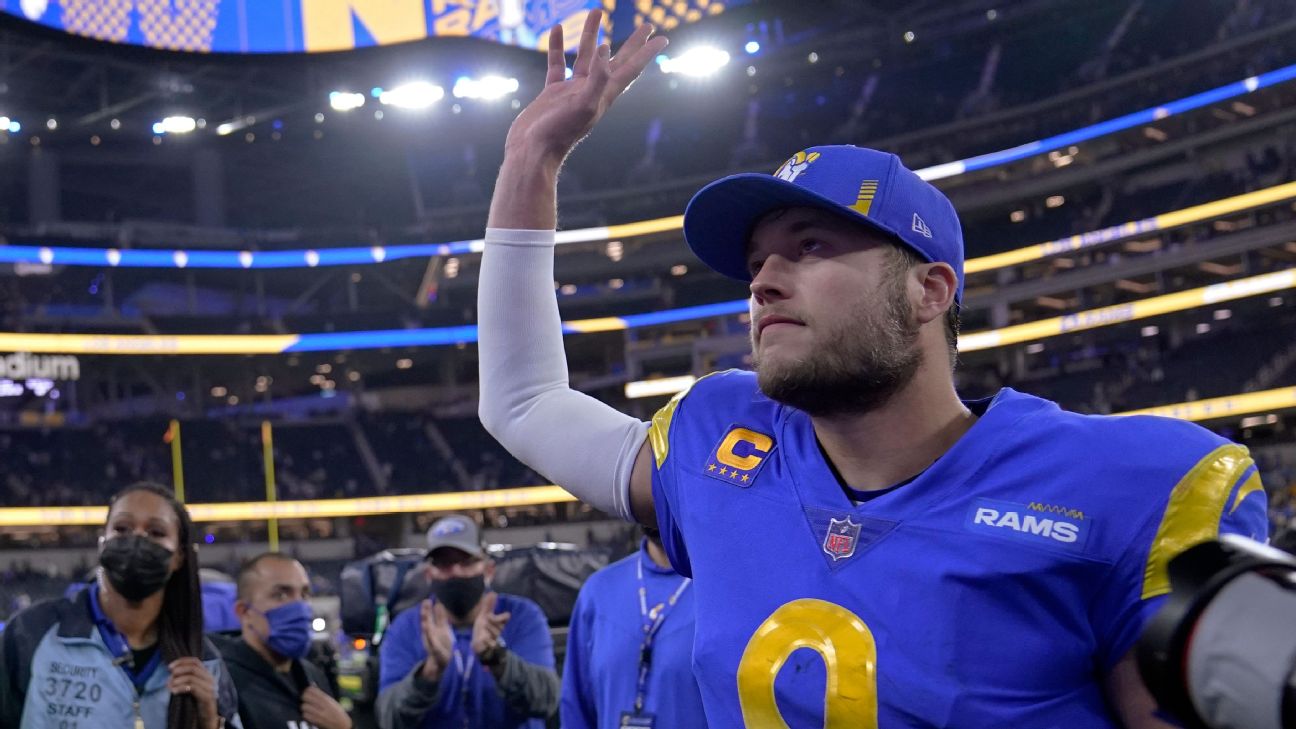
[(448, 527), (795, 166), (739, 456)]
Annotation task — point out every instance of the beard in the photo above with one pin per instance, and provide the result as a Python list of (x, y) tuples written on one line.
[(854, 367)]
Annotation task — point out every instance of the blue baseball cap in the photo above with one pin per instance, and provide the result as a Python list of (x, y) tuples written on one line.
[(871, 187)]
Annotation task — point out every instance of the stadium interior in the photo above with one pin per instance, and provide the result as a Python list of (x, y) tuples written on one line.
[(228, 263)]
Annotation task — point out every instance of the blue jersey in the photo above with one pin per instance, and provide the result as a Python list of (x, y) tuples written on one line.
[(600, 675), (995, 589)]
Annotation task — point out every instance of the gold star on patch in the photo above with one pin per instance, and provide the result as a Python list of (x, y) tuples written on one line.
[(733, 474), (711, 467), (746, 478), (724, 471)]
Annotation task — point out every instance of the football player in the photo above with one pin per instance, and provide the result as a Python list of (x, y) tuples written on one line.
[(867, 548)]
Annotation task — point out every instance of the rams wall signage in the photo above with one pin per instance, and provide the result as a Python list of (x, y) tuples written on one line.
[(290, 26)]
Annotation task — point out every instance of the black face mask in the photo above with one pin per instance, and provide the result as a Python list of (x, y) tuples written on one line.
[(459, 594), (135, 567)]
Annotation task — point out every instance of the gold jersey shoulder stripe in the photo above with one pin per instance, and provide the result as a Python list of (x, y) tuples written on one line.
[(1251, 486), (1193, 514), (659, 429)]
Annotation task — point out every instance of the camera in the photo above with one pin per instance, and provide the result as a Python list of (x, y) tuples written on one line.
[(1221, 653)]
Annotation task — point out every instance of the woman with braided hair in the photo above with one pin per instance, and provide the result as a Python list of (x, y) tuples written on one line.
[(128, 651)]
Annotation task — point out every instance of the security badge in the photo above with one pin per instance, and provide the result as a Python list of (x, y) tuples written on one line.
[(739, 456)]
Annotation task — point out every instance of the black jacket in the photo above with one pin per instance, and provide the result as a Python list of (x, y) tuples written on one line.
[(267, 698)]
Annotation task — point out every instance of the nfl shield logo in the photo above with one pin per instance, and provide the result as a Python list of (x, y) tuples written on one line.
[(843, 535)]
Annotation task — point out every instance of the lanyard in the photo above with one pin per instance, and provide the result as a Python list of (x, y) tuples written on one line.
[(119, 648), (651, 624), (464, 663)]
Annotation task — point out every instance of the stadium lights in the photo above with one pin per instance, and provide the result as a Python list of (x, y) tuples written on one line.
[(414, 95), (9, 125), (1062, 160), (299, 509), (752, 48), (488, 88), (345, 100), (658, 387), (175, 125), (1258, 420), (697, 62)]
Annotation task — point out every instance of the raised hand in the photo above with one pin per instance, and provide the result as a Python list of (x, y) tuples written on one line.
[(567, 109)]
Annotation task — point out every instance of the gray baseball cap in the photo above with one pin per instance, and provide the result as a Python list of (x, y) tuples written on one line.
[(455, 531)]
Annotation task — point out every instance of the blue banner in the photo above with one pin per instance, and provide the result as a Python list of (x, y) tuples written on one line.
[(291, 26)]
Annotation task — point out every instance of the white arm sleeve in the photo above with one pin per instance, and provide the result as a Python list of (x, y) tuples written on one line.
[(526, 401)]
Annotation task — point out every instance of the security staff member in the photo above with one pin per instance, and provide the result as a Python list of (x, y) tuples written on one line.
[(128, 651)]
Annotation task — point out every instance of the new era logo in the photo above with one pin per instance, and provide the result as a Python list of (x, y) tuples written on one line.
[(921, 227)]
